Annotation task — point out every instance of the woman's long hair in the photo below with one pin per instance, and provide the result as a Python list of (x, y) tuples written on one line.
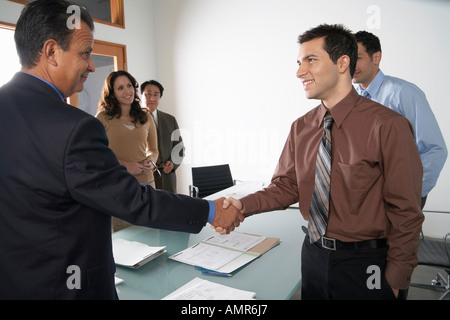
[(111, 106)]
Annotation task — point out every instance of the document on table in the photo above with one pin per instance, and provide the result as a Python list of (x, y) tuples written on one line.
[(134, 254), (246, 188), (225, 253), (199, 289), (206, 256), (236, 240), (240, 190), (117, 281)]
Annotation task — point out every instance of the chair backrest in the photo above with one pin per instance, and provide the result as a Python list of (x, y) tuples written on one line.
[(435, 252), (211, 179)]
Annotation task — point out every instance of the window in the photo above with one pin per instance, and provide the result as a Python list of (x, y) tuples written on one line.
[(9, 63), (109, 12)]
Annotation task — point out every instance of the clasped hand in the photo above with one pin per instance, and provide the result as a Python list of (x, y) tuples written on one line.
[(168, 167), (136, 168), (228, 216)]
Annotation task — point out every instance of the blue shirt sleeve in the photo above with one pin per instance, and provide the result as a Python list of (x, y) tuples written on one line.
[(409, 100), (212, 211), (429, 140)]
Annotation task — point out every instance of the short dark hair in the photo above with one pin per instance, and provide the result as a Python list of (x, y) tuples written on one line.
[(43, 20), (369, 41), (152, 82), (339, 41)]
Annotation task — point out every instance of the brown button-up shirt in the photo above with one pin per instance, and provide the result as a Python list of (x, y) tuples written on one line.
[(376, 179)]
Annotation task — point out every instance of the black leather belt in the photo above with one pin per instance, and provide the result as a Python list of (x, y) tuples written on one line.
[(334, 244)]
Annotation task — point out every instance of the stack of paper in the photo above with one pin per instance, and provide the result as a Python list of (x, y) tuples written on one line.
[(134, 254), (239, 190), (199, 289), (224, 254)]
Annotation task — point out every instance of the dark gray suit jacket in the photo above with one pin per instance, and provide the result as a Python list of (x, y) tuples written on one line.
[(59, 186), (167, 125)]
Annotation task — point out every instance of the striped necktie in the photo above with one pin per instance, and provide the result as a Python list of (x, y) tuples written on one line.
[(319, 209)]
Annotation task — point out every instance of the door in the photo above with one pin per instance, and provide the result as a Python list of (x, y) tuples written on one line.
[(107, 57)]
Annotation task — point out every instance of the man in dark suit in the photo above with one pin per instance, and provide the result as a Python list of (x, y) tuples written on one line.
[(60, 183), (170, 143)]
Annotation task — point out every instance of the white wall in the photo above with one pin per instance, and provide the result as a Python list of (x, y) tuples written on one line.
[(138, 36), (89, 98), (229, 71)]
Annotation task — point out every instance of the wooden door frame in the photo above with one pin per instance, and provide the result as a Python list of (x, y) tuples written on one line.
[(104, 48), (117, 13), (7, 26)]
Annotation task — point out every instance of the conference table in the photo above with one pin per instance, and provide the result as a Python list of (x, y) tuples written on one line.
[(275, 275)]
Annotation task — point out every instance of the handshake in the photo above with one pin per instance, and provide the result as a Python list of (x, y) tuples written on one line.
[(229, 215)]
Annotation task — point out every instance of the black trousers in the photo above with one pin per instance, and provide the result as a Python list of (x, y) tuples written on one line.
[(344, 274)]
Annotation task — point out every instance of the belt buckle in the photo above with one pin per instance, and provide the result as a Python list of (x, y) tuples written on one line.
[(329, 243)]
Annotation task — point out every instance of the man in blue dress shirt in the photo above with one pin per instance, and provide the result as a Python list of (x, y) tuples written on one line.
[(405, 98)]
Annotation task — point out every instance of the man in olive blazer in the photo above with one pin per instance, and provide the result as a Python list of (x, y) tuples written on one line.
[(171, 148), (170, 143)]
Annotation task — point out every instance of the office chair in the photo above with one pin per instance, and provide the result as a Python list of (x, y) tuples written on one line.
[(209, 180), (436, 253)]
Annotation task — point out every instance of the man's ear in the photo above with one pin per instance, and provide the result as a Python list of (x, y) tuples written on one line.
[(50, 52), (376, 57), (343, 63)]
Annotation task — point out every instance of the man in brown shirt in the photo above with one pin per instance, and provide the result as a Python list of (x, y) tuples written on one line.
[(376, 172)]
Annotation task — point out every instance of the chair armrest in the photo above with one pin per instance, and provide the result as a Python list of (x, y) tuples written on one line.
[(447, 245)]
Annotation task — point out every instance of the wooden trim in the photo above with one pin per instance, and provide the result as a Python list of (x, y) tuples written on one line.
[(7, 26), (19, 1), (104, 48), (118, 51), (73, 100), (117, 13)]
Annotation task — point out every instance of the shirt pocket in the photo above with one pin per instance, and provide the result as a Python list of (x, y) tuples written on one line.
[(353, 183)]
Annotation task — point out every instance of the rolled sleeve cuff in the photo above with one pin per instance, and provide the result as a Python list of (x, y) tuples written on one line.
[(398, 278)]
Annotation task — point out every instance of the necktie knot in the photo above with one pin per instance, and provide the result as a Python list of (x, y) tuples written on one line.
[(328, 122)]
